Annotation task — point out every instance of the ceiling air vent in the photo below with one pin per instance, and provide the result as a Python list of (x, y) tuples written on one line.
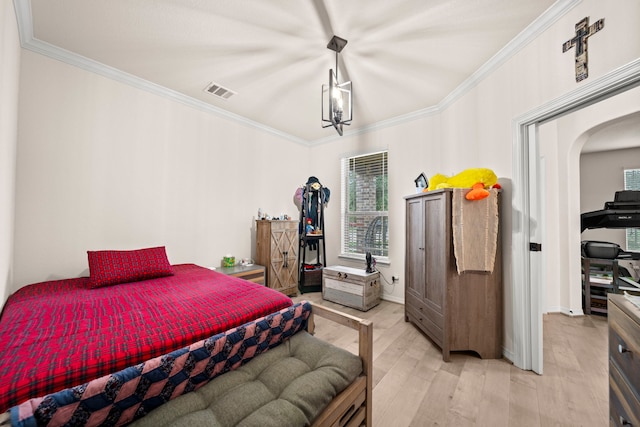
[(217, 90)]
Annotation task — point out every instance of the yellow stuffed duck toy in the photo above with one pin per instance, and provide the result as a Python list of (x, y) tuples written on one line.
[(478, 179)]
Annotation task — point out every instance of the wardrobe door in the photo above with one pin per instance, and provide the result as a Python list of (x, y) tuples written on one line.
[(436, 258), (277, 250), (284, 245), (414, 263)]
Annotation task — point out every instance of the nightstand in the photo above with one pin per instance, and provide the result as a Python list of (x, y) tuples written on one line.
[(253, 273)]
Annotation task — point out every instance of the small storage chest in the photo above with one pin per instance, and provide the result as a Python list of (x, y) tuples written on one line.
[(352, 287)]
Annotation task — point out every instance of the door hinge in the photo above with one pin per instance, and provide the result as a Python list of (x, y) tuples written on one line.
[(535, 247)]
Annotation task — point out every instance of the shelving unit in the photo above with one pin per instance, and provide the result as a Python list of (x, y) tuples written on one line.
[(600, 278)]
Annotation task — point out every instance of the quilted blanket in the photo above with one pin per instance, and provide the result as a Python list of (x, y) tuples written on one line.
[(60, 334), (124, 396)]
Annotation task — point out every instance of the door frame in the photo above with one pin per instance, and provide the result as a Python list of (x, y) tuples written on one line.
[(527, 290)]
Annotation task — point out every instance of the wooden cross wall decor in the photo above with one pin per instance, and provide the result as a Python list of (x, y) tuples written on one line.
[(583, 32)]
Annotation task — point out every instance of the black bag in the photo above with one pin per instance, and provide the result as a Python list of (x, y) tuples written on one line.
[(602, 250)]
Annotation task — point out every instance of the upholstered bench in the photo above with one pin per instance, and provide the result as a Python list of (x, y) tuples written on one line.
[(288, 385)]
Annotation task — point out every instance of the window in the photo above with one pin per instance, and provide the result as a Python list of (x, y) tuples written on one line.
[(365, 205), (632, 182)]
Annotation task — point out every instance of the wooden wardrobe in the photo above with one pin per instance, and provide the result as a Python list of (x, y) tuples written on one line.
[(457, 311)]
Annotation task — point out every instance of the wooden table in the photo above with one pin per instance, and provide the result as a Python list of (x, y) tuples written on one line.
[(253, 273)]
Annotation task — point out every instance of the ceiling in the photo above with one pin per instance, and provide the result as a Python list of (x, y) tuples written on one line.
[(403, 57)]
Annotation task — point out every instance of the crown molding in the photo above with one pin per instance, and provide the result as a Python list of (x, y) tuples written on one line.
[(526, 36), (27, 41), (537, 27), (24, 20), (616, 81)]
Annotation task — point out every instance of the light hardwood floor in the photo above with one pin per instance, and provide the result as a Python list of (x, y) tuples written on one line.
[(414, 387)]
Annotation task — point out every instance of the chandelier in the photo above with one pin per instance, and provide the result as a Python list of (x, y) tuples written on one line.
[(337, 106)]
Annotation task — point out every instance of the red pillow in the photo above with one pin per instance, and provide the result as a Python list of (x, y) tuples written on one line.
[(112, 267)]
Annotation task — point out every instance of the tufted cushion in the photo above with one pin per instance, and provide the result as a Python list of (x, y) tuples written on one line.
[(113, 267), (287, 386)]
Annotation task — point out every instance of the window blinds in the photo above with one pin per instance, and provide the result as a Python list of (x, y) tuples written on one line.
[(364, 211)]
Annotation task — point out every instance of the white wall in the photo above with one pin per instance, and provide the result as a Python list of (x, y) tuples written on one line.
[(102, 165), (9, 81), (476, 130), (413, 149)]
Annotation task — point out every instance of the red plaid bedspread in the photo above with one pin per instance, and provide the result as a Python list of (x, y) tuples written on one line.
[(58, 334)]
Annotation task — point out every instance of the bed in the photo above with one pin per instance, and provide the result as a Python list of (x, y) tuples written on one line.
[(62, 333), (267, 372)]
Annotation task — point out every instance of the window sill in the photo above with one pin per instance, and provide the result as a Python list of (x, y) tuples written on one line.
[(383, 260)]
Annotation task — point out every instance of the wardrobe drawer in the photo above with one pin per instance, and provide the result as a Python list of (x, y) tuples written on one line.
[(623, 401), (424, 322), (624, 344)]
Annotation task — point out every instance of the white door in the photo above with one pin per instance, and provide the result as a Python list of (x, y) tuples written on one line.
[(536, 246)]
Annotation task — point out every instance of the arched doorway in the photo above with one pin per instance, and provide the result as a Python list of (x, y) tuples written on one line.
[(527, 304)]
